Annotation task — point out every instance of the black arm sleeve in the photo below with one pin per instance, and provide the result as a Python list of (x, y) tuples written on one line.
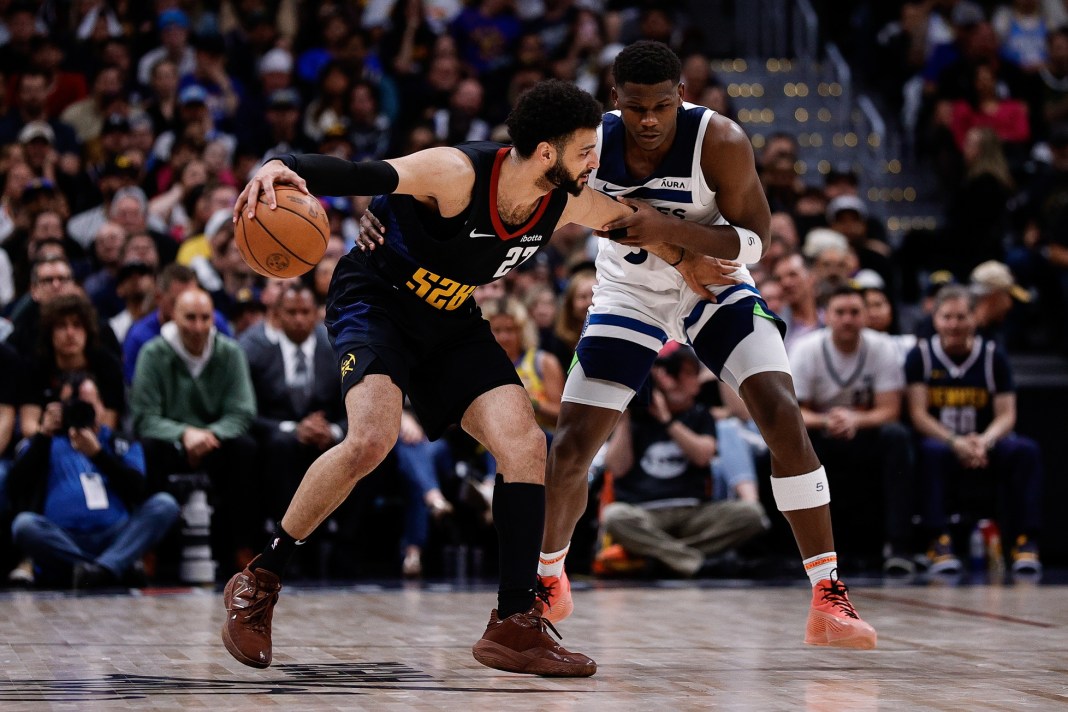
[(329, 175)]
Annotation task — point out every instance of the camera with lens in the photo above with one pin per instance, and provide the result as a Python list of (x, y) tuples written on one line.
[(78, 414)]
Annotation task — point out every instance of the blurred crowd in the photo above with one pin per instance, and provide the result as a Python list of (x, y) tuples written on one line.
[(140, 348)]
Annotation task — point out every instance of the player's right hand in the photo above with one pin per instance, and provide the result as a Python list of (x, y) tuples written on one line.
[(269, 174), (372, 232)]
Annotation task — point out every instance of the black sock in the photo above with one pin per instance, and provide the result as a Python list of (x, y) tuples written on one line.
[(277, 553), (519, 515)]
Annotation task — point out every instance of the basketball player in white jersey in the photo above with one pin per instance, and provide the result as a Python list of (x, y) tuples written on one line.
[(690, 176)]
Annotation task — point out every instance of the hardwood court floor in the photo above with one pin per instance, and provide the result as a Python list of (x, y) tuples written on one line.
[(674, 646)]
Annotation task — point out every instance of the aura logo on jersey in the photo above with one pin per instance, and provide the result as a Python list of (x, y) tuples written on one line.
[(437, 291)]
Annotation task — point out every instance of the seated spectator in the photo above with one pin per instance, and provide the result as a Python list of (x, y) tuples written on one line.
[(848, 215), (107, 253), (299, 411), (802, 315), (880, 316), (70, 345), (962, 402), (96, 518), (173, 281), (996, 292), (849, 384), (49, 278), (540, 371), (661, 461), (192, 404), (135, 285), (224, 272), (983, 107)]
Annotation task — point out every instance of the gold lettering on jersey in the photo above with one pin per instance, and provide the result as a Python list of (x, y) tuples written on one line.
[(957, 397), (437, 291)]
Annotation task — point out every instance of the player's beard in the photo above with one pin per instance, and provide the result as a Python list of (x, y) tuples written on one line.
[(558, 177)]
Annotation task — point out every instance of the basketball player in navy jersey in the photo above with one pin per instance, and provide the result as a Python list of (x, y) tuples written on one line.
[(403, 323), (689, 175)]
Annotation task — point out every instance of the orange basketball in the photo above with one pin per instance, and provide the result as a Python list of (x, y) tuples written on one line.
[(287, 241)]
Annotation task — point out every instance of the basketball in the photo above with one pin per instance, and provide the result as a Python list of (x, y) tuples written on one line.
[(287, 241)]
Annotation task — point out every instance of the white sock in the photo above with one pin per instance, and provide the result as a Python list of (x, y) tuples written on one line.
[(552, 564), (821, 566)]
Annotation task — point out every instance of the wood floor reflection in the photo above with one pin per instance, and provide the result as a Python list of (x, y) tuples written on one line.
[(673, 646)]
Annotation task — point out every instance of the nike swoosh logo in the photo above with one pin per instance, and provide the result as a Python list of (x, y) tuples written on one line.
[(609, 189), (481, 234)]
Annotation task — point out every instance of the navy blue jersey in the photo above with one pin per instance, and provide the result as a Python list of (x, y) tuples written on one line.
[(441, 260), (960, 391)]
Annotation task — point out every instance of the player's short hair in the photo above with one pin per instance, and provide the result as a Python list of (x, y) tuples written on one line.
[(551, 111), (647, 62)]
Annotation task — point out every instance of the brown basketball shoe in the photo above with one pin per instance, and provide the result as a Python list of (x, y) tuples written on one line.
[(249, 598), (520, 643)]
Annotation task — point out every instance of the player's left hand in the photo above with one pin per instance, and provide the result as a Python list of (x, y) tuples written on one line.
[(645, 226), (701, 271), (372, 232)]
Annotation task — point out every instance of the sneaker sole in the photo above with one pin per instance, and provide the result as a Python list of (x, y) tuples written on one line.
[(238, 655), (498, 657), (826, 630)]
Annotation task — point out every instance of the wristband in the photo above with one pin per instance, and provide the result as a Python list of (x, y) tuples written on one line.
[(750, 248)]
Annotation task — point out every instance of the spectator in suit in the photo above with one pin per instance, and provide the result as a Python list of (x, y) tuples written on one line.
[(192, 405), (86, 517), (963, 404), (300, 413)]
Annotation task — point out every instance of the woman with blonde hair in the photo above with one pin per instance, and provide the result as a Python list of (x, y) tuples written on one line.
[(578, 296), (540, 371)]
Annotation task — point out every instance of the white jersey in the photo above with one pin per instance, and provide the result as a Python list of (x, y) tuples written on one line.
[(677, 187), (825, 377)]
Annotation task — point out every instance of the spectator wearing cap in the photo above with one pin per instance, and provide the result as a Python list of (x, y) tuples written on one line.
[(87, 116), (283, 133), (135, 284), (223, 92), (848, 214), (173, 25), (31, 94), (38, 142), (996, 292), (274, 72), (116, 174)]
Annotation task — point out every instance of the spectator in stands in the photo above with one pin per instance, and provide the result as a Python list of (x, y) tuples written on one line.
[(1054, 78), (12, 366), (801, 314), (86, 514), (114, 175), (87, 116), (662, 477), (31, 94), (978, 215), (173, 25), (1021, 29), (38, 141), (330, 107), (107, 254), (299, 411), (135, 284), (162, 101), (881, 316), (212, 199), (223, 92), (996, 292), (849, 384), (70, 345), (370, 130), (962, 402), (225, 272), (173, 281), (50, 277), (578, 296), (192, 405), (848, 215), (540, 371), (460, 121)]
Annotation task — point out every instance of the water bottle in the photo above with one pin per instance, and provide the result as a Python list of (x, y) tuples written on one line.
[(977, 549)]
